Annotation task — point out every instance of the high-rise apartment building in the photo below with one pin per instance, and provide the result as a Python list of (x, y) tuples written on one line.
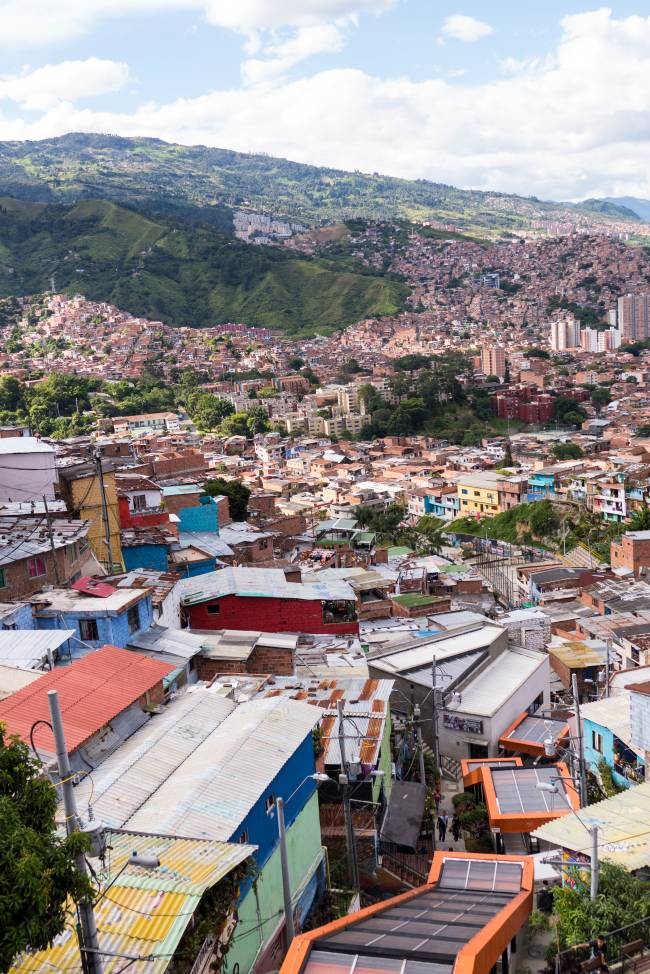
[(634, 316), (565, 333), (493, 360)]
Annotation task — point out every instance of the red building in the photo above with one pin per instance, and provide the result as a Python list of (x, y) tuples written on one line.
[(262, 600)]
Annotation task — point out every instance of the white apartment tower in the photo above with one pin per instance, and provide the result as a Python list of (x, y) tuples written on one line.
[(565, 333)]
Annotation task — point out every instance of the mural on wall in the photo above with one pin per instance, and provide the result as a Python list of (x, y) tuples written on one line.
[(468, 725)]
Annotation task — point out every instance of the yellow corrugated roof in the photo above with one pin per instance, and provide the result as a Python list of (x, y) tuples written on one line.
[(623, 828), (145, 912)]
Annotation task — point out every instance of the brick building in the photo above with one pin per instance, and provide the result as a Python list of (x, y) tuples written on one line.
[(631, 551), (31, 559)]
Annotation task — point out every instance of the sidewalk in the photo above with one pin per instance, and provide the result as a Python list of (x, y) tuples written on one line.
[(448, 789)]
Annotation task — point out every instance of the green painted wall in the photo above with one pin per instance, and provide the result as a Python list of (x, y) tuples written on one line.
[(384, 763), (304, 850)]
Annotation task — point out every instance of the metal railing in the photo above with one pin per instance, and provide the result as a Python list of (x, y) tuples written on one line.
[(207, 949), (615, 940)]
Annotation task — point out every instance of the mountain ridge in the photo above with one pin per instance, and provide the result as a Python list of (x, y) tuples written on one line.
[(175, 178)]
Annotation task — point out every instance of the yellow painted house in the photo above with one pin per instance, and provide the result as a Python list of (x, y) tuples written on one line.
[(478, 493), (81, 490)]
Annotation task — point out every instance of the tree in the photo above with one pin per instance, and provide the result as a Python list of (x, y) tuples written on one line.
[(567, 451), (640, 520), (237, 493), (600, 397), (235, 425), (507, 455), (37, 872), (536, 353), (622, 898), (296, 363)]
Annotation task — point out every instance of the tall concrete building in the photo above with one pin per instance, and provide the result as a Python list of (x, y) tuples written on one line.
[(565, 333), (634, 316), (493, 360)]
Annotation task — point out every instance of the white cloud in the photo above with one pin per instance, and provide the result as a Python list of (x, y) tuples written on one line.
[(33, 22), (576, 124), (282, 56), (45, 87), (467, 29)]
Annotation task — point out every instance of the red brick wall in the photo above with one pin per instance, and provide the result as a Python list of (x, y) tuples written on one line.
[(264, 659), (266, 615), (19, 585)]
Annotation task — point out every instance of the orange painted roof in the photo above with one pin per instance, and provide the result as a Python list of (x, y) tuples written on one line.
[(92, 691)]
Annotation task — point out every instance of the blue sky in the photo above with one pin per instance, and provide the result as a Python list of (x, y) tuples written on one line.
[(551, 98)]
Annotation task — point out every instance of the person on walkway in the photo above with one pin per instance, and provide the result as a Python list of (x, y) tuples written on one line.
[(442, 826), (455, 828)]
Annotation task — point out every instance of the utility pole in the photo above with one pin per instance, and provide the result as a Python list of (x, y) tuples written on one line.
[(434, 714), (607, 664), (286, 887), (52, 545), (418, 733), (88, 942), (581, 742), (595, 865), (344, 781), (107, 526)]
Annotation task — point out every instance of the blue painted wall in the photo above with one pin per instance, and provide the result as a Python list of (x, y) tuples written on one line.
[(204, 517), (262, 828), (197, 568), (112, 629), (592, 756), (152, 556), (20, 618)]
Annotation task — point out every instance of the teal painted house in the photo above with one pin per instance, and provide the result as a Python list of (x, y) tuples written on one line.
[(608, 737)]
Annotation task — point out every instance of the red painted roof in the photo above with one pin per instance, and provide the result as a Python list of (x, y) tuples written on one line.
[(90, 586), (92, 691)]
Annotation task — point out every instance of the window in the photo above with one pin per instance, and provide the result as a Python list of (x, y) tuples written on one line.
[(270, 802), (597, 741), (133, 618), (36, 567), (3, 580), (214, 608), (139, 502), (243, 838), (88, 631)]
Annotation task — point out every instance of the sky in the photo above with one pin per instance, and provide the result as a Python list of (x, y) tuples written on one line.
[(548, 98)]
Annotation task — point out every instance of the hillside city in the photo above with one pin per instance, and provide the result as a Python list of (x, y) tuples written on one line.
[(337, 647)]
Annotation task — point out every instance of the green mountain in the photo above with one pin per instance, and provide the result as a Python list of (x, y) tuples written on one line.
[(182, 272), (639, 206), (171, 179), (611, 208)]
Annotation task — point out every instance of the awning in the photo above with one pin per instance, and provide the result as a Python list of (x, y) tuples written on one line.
[(403, 819)]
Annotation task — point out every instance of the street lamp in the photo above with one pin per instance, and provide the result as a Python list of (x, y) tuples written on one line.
[(591, 829), (284, 861)]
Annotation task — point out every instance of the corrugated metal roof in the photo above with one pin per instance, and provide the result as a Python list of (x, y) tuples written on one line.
[(29, 647), (493, 686), (23, 537), (208, 541), (623, 836), (145, 912), (365, 703), (613, 713), (92, 691), (270, 583), (420, 652), (198, 769), (175, 642), (14, 678)]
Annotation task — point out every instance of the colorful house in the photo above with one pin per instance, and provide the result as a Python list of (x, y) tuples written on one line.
[(262, 599)]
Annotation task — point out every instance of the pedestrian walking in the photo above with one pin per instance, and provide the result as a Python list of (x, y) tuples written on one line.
[(442, 826), (455, 828)]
